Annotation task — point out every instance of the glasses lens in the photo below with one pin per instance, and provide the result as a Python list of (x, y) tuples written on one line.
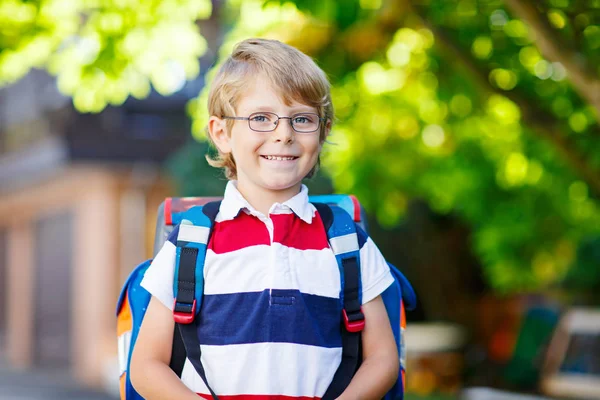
[(306, 122), (263, 121)]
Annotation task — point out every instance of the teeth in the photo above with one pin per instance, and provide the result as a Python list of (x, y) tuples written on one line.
[(279, 158)]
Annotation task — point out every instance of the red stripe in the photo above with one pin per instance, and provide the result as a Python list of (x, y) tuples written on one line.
[(258, 397), (291, 231), (167, 211), (238, 233), (356, 208)]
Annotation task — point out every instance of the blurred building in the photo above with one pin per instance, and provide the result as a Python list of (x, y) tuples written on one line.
[(79, 195), (78, 201)]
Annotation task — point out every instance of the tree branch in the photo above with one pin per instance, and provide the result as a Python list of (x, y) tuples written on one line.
[(541, 122), (581, 74)]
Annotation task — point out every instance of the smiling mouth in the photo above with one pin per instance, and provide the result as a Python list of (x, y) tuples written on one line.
[(280, 158)]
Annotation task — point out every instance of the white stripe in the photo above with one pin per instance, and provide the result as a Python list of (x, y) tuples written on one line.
[(344, 244), (265, 368), (124, 345), (192, 233), (248, 270)]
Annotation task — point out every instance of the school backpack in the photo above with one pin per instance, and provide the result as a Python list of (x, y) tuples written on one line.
[(193, 218)]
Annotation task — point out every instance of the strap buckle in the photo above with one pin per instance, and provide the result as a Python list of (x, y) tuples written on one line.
[(184, 313), (356, 321)]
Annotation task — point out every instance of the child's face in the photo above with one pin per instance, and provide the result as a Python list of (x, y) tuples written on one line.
[(254, 152)]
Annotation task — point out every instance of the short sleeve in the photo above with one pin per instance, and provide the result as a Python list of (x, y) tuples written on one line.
[(158, 280), (374, 270)]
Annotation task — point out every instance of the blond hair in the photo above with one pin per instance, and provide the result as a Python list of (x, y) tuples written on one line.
[(292, 72)]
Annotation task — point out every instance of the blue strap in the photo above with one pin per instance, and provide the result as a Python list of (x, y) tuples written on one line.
[(191, 248), (344, 242), (192, 240), (341, 232)]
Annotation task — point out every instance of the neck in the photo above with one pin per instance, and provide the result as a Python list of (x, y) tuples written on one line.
[(262, 199)]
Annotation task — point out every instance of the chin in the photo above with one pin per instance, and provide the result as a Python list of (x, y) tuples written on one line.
[(279, 185)]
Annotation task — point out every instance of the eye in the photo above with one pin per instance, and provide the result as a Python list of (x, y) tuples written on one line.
[(303, 119), (259, 117)]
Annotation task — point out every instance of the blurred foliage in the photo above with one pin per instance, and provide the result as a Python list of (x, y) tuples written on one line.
[(584, 273), (454, 102), (102, 51), (488, 110)]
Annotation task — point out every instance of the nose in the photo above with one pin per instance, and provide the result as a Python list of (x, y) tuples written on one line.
[(283, 131)]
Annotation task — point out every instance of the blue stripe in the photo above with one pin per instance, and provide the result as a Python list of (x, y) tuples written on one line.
[(280, 316)]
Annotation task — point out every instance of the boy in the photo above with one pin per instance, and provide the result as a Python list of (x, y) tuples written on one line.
[(270, 321)]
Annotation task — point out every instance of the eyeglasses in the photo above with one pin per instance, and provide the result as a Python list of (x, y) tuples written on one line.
[(268, 121)]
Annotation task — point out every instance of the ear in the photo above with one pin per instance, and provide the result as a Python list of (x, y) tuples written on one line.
[(327, 130), (217, 129)]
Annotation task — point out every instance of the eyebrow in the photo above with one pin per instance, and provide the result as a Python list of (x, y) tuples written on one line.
[(293, 110), (261, 108), (304, 109)]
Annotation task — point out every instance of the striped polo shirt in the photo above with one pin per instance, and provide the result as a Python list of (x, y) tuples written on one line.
[(269, 326)]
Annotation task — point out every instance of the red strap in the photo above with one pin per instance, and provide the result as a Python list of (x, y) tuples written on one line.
[(356, 208), (353, 326), (184, 317)]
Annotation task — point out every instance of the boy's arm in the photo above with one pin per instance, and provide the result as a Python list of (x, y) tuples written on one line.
[(151, 375), (379, 369)]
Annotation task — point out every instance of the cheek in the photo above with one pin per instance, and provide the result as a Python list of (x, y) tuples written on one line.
[(312, 147), (245, 144)]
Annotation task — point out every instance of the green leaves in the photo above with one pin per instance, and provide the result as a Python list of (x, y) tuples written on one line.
[(450, 102), (103, 51), (483, 108)]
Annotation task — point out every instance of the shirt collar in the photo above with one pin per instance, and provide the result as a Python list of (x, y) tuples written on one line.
[(233, 202)]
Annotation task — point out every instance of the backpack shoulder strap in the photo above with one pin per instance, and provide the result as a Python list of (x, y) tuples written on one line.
[(192, 240), (189, 275), (343, 239), (326, 215)]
